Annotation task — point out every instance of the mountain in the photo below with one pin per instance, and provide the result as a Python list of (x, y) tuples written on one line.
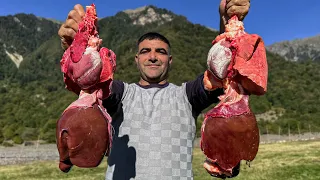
[(299, 49), (32, 93), (20, 35), (147, 14)]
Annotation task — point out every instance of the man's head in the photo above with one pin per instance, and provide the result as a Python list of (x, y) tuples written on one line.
[(153, 58)]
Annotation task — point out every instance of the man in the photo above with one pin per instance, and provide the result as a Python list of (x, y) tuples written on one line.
[(153, 120)]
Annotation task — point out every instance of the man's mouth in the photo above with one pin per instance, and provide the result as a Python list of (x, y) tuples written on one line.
[(153, 66)]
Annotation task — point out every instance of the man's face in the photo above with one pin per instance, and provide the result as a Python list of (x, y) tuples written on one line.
[(153, 60)]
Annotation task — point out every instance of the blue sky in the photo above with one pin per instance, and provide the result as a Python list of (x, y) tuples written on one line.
[(273, 20)]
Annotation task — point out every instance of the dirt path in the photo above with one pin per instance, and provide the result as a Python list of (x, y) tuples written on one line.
[(21, 154)]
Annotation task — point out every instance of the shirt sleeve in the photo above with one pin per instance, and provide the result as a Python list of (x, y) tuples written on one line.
[(112, 102), (200, 98)]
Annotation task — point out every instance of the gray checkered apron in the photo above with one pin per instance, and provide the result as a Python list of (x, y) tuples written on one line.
[(154, 132)]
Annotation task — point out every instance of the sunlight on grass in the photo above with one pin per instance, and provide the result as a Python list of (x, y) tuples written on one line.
[(294, 160)]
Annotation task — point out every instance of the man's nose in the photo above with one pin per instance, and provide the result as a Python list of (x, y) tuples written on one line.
[(153, 60), (152, 57)]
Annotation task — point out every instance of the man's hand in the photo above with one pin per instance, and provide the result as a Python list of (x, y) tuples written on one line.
[(228, 8), (69, 28), (210, 82)]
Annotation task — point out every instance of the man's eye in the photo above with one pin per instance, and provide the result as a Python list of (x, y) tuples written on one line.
[(163, 52)]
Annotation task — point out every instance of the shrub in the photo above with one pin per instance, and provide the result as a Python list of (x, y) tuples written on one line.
[(17, 139), (8, 133)]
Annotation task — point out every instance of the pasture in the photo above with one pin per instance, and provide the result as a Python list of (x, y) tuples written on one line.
[(290, 161)]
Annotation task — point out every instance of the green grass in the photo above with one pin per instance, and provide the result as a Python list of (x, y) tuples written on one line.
[(294, 160)]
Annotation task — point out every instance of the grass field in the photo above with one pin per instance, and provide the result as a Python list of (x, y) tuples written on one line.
[(294, 160)]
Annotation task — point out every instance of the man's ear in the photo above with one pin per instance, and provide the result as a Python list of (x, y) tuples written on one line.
[(170, 59), (136, 58)]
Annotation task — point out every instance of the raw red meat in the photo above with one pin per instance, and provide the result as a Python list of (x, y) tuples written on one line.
[(83, 137), (229, 132), (84, 129)]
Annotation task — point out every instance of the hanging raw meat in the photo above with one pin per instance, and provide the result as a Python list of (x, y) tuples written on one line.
[(84, 129), (229, 132)]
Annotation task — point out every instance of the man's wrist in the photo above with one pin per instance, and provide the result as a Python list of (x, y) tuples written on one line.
[(64, 44), (223, 22)]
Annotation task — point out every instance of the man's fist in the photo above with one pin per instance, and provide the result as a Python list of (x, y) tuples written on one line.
[(228, 8), (70, 27)]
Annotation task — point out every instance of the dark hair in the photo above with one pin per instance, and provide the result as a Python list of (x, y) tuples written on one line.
[(152, 36)]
